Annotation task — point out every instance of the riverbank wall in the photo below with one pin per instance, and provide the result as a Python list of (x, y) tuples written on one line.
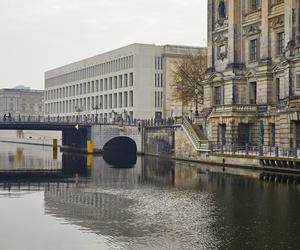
[(173, 142)]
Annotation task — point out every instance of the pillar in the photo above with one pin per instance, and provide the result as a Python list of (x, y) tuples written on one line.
[(210, 27), (234, 31), (264, 43), (289, 15)]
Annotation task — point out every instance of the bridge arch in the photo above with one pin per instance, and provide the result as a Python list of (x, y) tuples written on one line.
[(121, 144)]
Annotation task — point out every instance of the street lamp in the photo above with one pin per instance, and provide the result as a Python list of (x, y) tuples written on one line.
[(197, 93), (96, 108), (113, 115), (78, 110), (125, 114)]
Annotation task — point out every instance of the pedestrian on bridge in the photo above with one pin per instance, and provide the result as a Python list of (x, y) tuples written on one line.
[(4, 117)]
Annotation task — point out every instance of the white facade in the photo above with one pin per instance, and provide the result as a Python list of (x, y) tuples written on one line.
[(126, 82)]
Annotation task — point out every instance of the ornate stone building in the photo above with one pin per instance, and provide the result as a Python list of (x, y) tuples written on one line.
[(252, 86), (21, 101)]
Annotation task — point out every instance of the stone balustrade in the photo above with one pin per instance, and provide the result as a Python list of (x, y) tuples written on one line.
[(235, 108)]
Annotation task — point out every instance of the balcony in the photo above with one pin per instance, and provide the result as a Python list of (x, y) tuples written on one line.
[(247, 108)]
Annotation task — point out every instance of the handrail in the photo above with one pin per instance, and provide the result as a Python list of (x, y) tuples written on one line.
[(191, 133)]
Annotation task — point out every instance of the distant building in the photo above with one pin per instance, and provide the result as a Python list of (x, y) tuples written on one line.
[(129, 82), (23, 102), (252, 87)]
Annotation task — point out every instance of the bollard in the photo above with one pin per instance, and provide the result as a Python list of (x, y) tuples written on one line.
[(90, 147), (55, 144)]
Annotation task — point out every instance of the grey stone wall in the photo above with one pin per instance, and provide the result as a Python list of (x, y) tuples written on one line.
[(101, 134), (159, 140)]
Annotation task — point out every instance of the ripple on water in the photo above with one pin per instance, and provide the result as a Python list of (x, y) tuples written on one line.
[(170, 218)]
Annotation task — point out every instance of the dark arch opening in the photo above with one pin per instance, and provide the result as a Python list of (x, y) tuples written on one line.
[(121, 144), (120, 152)]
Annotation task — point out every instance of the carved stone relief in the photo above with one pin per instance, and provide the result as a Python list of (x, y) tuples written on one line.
[(222, 47), (277, 22)]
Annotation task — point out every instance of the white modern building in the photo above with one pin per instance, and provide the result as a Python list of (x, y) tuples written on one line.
[(128, 82)]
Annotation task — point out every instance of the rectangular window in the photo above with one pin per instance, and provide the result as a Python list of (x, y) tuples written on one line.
[(253, 50), (280, 43), (252, 92), (101, 102), (105, 101), (272, 134), (217, 95), (93, 101), (110, 83), (101, 85), (125, 80), (254, 5), (93, 87), (88, 87), (120, 81), (131, 79), (115, 82), (110, 101), (298, 82), (84, 88), (120, 100), (97, 86), (130, 98), (105, 84), (277, 89), (115, 100), (125, 99)]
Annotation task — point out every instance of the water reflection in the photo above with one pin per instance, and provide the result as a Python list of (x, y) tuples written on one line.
[(157, 204), (120, 160)]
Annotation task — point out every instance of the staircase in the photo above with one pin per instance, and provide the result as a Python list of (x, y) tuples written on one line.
[(195, 135)]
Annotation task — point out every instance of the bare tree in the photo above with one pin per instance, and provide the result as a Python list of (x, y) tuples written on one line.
[(188, 73)]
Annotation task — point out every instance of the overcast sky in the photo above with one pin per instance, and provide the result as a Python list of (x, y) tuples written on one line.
[(38, 35)]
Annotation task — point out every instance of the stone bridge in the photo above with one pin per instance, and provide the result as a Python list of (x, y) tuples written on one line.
[(111, 137), (117, 138)]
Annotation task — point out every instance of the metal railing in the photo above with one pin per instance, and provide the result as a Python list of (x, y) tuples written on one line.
[(67, 120), (261, 151), (186, 124)]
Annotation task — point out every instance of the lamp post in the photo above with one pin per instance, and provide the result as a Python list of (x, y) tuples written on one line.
[(78, 110), (197, 93), (97, 108), (113, 115), (125, 114)]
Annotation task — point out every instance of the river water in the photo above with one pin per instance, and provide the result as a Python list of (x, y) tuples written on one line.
[(56, 201)]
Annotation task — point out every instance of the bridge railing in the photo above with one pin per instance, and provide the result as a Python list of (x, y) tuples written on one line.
[(67, 120)]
